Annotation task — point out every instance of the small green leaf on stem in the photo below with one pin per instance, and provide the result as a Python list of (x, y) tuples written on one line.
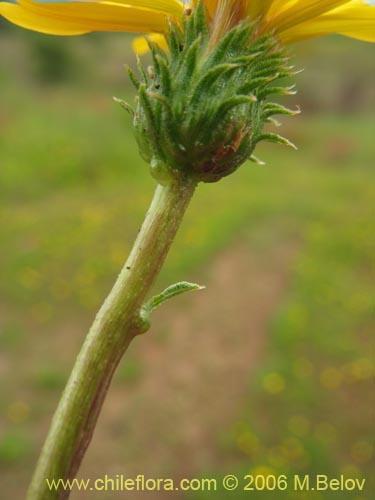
[(157, 300), (169, 293)]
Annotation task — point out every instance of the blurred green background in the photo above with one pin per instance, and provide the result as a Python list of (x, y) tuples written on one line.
[(270, 370)]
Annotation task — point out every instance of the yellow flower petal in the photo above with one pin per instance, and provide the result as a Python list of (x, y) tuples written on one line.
[(82, 17), (140, 45), (294, 12), (259, 9), (169, 7), (356, 19), (29, 20), (290, 20)]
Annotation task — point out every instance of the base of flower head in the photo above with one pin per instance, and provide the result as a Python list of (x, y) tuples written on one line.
[(201, 109)]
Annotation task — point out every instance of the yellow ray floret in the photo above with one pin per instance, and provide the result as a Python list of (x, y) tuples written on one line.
[(140, 45), (301, 19), (289, 20), (71, 18), (294, 20), (355, 19)]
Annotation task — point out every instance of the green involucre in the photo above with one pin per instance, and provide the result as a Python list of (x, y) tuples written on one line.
[(201, 110)]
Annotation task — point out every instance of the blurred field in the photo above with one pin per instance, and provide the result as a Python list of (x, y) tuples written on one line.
[(280, 380)]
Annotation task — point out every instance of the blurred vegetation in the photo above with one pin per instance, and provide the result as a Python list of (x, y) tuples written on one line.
[(73, 192), (54, 63)]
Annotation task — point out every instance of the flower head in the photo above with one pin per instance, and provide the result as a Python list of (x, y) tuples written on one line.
[(203, 105)]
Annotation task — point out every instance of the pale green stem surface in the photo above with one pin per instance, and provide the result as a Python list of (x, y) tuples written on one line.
[(116, 324)]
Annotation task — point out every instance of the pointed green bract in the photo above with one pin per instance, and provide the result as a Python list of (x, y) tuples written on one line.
[(157, 300), (201, 110)]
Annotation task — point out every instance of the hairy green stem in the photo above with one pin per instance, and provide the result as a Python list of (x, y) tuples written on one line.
[(116, 324)]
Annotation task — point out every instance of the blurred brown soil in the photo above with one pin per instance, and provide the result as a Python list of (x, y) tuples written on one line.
[(197, 363)]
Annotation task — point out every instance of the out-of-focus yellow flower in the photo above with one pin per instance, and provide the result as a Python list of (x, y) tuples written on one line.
[(289, 20), (362, 452), (331, 378), (274, 383), (248, 443), (361, 369), (299, 425), (326, 433), (350, 470)]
